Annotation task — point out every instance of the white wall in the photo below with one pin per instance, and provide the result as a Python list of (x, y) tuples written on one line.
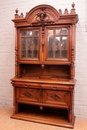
[(7, 45)]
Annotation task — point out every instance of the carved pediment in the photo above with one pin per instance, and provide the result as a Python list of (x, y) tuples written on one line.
[(42, 14)]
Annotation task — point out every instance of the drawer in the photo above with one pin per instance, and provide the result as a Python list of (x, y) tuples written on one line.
[(30, 95), (27, 85), (57, 87), (55, 97)]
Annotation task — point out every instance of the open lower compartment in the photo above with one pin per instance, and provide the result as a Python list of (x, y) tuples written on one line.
[(53, 72), (46, 115)]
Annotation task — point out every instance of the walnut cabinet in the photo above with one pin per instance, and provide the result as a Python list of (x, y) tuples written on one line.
[(44, 66)]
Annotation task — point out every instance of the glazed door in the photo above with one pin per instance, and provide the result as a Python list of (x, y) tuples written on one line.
[(29, 50), (58, 43)]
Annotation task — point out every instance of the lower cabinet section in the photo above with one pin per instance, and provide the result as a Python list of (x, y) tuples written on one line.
[(45, 97), (44, 104)]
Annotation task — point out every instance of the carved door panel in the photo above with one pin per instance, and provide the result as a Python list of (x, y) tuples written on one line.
[(54, 97), (29, 95)]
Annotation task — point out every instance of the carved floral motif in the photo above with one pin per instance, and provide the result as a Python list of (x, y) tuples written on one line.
[(42, 19)]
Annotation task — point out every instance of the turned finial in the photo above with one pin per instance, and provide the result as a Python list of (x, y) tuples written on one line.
[(16, 11), (66, 11), (73, 5), (60, 11), (73, 9), (16, 15), (22, 15)]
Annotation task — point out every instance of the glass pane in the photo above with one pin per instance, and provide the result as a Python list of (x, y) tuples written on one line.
[(64, 31), (58, 31), (29, 33), (24, 33), (30, 47), (35, 33), (57, 47), (50, 32), (50, 46), (23, 47), (64, 46), (35, 52)]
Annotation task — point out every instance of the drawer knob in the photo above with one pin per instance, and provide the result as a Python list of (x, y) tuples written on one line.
[(41, 108), (26, 85)]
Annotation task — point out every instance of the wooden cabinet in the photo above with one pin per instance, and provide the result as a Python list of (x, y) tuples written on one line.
[(44, 66)]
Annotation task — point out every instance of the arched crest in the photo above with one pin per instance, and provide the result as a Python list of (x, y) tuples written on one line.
[(42, 14)]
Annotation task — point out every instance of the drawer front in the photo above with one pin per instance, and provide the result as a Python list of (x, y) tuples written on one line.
[(56, 87), (56, 97), (30, 95), (27, 85)]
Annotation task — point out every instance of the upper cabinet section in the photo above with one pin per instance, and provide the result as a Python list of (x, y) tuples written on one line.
[(46, 35)]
